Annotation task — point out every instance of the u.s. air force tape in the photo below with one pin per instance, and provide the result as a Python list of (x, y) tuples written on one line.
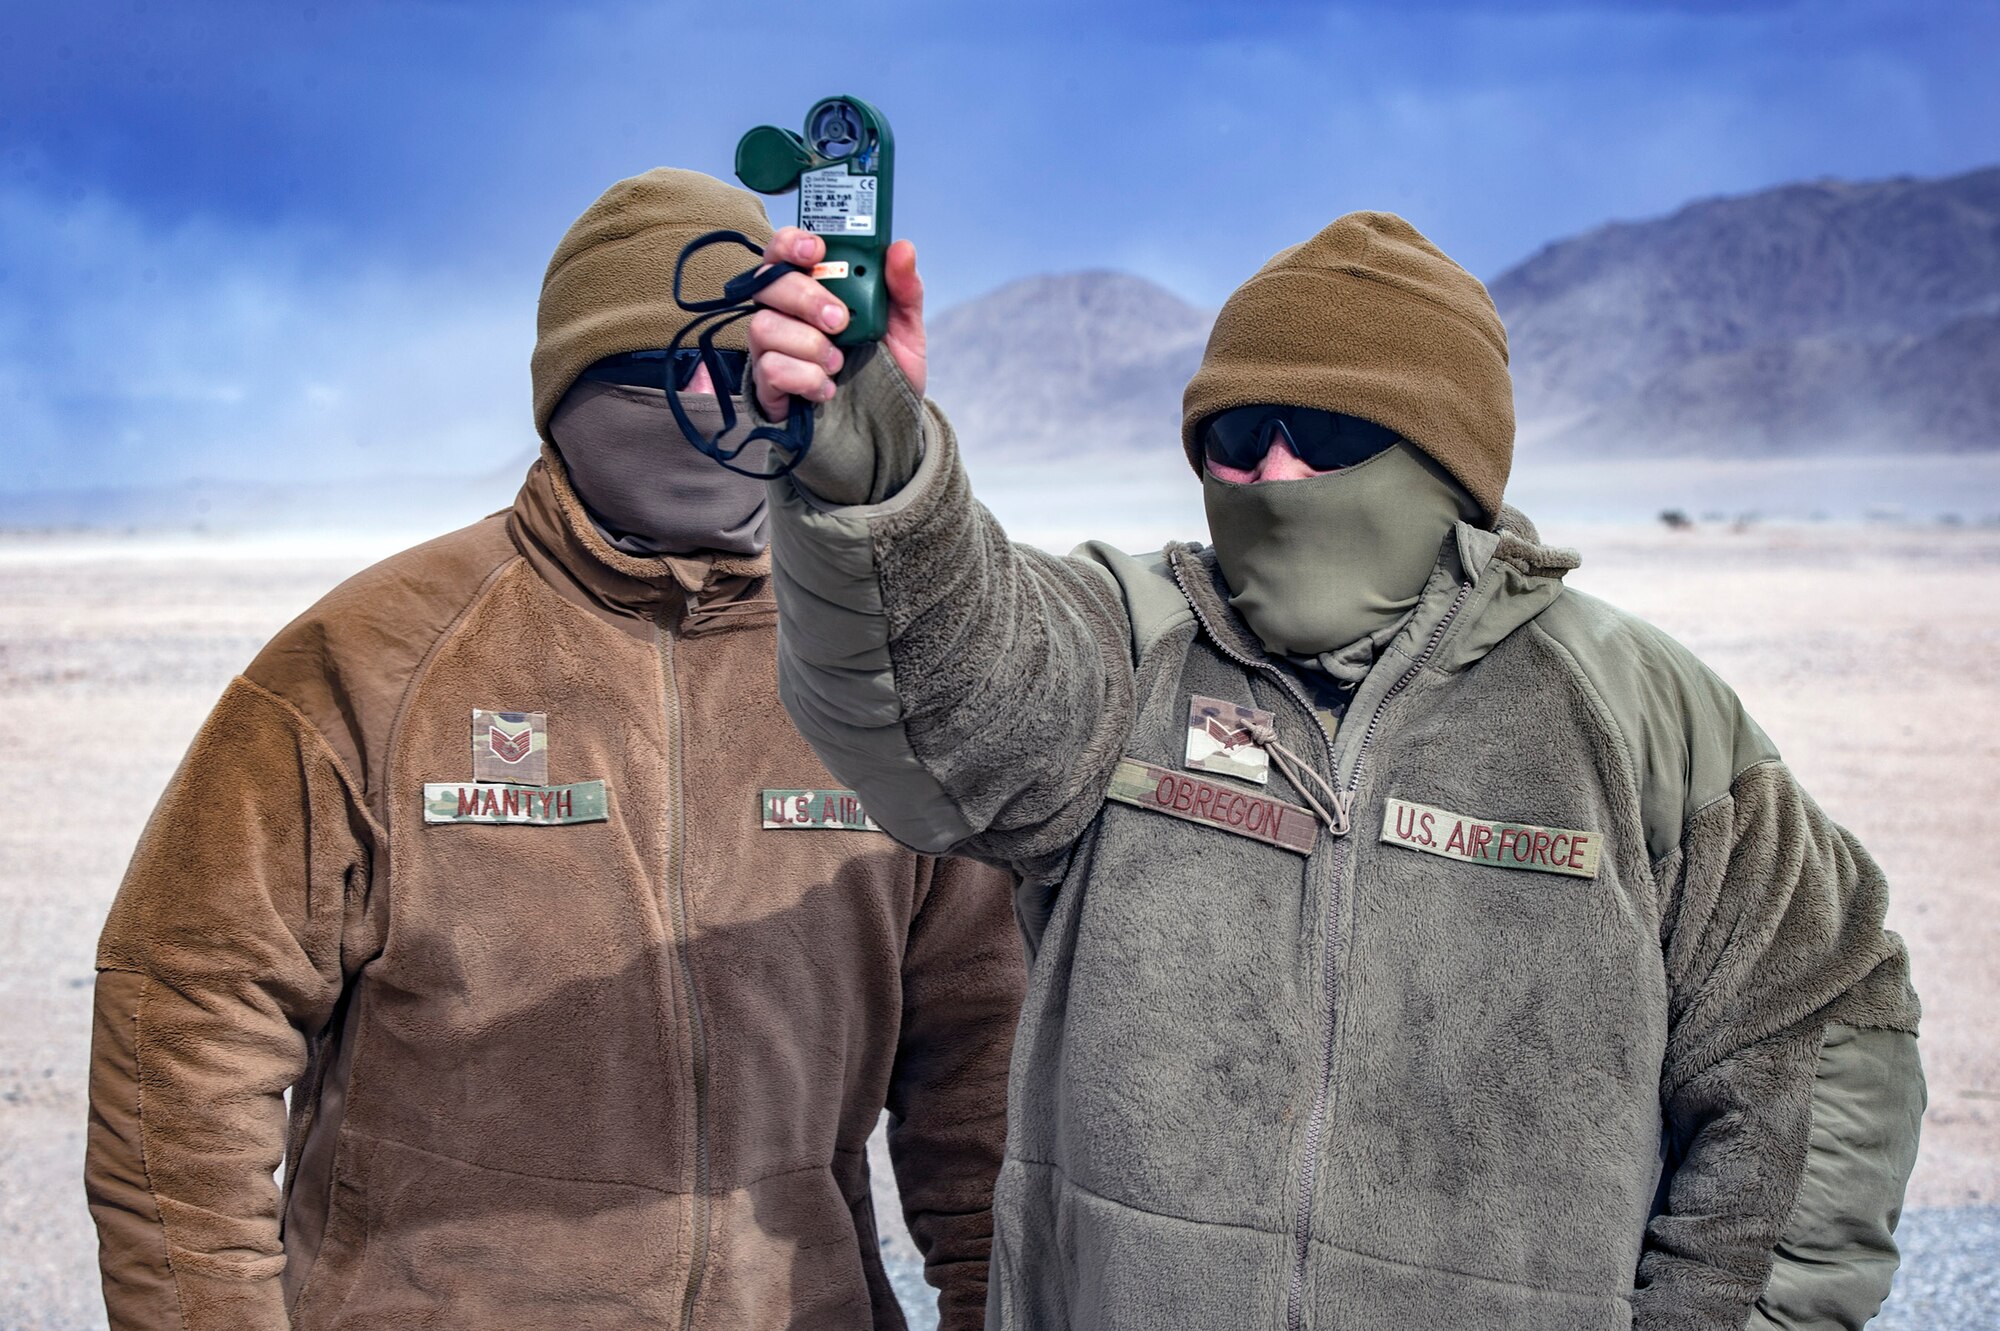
[(1215, 804), (839, 810), (1481, 841)]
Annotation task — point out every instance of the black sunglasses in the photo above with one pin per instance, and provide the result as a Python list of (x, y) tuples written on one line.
[(649, 369), (1323, 440)]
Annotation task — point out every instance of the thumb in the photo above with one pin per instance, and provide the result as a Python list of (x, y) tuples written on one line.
[(904, 337), (906, 288)]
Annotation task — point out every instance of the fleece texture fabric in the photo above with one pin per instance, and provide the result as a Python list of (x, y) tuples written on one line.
[(869, 439), (1370, 319), (1371, 1086), (607, 1075), (610, 284)]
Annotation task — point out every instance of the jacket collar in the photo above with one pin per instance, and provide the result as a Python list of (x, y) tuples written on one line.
[(690, 593), (1199, 574)]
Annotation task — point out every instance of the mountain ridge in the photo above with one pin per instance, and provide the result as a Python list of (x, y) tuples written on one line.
[(1817, 318), (1093, 359), (1822, 316)]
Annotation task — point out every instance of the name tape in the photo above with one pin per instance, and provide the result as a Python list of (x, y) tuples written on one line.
[(1214, 804), (527, 806), (1480, 841)]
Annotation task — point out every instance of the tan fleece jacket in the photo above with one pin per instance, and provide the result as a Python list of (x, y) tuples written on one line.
[(605, 1074)]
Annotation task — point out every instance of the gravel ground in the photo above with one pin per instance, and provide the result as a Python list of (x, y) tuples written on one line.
[(1872, 657), (1950, 1279)]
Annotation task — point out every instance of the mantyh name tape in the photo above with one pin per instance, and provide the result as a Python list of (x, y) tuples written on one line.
[(527, 806), (1480, 841)]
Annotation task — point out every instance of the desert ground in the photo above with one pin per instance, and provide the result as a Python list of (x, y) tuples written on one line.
[(1871, 653)]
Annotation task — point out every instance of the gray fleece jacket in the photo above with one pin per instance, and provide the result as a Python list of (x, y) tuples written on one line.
[(1586, 1019)]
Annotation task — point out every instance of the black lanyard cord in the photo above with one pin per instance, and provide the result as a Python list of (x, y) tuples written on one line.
[(795, 435)]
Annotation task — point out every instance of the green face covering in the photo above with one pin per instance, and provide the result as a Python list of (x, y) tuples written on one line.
[(1319, 564)]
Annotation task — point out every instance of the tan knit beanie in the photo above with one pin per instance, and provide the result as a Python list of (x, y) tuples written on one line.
[(1369, 319), (610, 286)]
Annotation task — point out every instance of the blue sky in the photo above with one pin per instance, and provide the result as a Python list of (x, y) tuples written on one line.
[(280, 240)]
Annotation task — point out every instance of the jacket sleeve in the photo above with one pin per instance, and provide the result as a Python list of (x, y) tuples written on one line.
[(1791, 1089), (222, 957), (963, 976), (977, 694)]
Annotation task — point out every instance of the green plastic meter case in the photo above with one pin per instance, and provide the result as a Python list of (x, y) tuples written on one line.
[(842, 168)]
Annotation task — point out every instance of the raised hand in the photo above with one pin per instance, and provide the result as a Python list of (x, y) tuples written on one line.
[(791, 338)]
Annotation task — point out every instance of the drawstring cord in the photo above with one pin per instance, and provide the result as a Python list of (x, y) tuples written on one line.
[(702, 612), (737, 302), (1303, 778)]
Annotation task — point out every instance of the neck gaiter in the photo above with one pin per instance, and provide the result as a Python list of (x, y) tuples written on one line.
[(1321, 564), (646, 488)]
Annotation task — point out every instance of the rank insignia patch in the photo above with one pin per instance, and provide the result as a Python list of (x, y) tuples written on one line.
[(839, 810), (1219, 740), (495, 802), (510, 746)]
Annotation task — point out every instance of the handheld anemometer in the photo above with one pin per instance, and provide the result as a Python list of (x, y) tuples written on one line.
[(843, 168)]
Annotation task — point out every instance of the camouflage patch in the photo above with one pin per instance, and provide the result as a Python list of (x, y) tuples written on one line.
[(837, 809), (528, 806), (1200, 800), (510, 746), (1502, 845), (1218, 739)]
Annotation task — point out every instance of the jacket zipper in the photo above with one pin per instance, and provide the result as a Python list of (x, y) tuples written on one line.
[(1323, 1097), (678, 904), (1423, 659), (1329, 966)]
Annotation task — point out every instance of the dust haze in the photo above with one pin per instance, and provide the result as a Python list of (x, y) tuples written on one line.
[(1868, 651)]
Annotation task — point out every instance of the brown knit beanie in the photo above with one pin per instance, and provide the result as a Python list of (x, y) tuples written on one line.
[(610, 286), (1369, 319)]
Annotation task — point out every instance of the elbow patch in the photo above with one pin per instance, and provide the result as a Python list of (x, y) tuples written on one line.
[(131, 1239), (834, 671), (1838, 1254)]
